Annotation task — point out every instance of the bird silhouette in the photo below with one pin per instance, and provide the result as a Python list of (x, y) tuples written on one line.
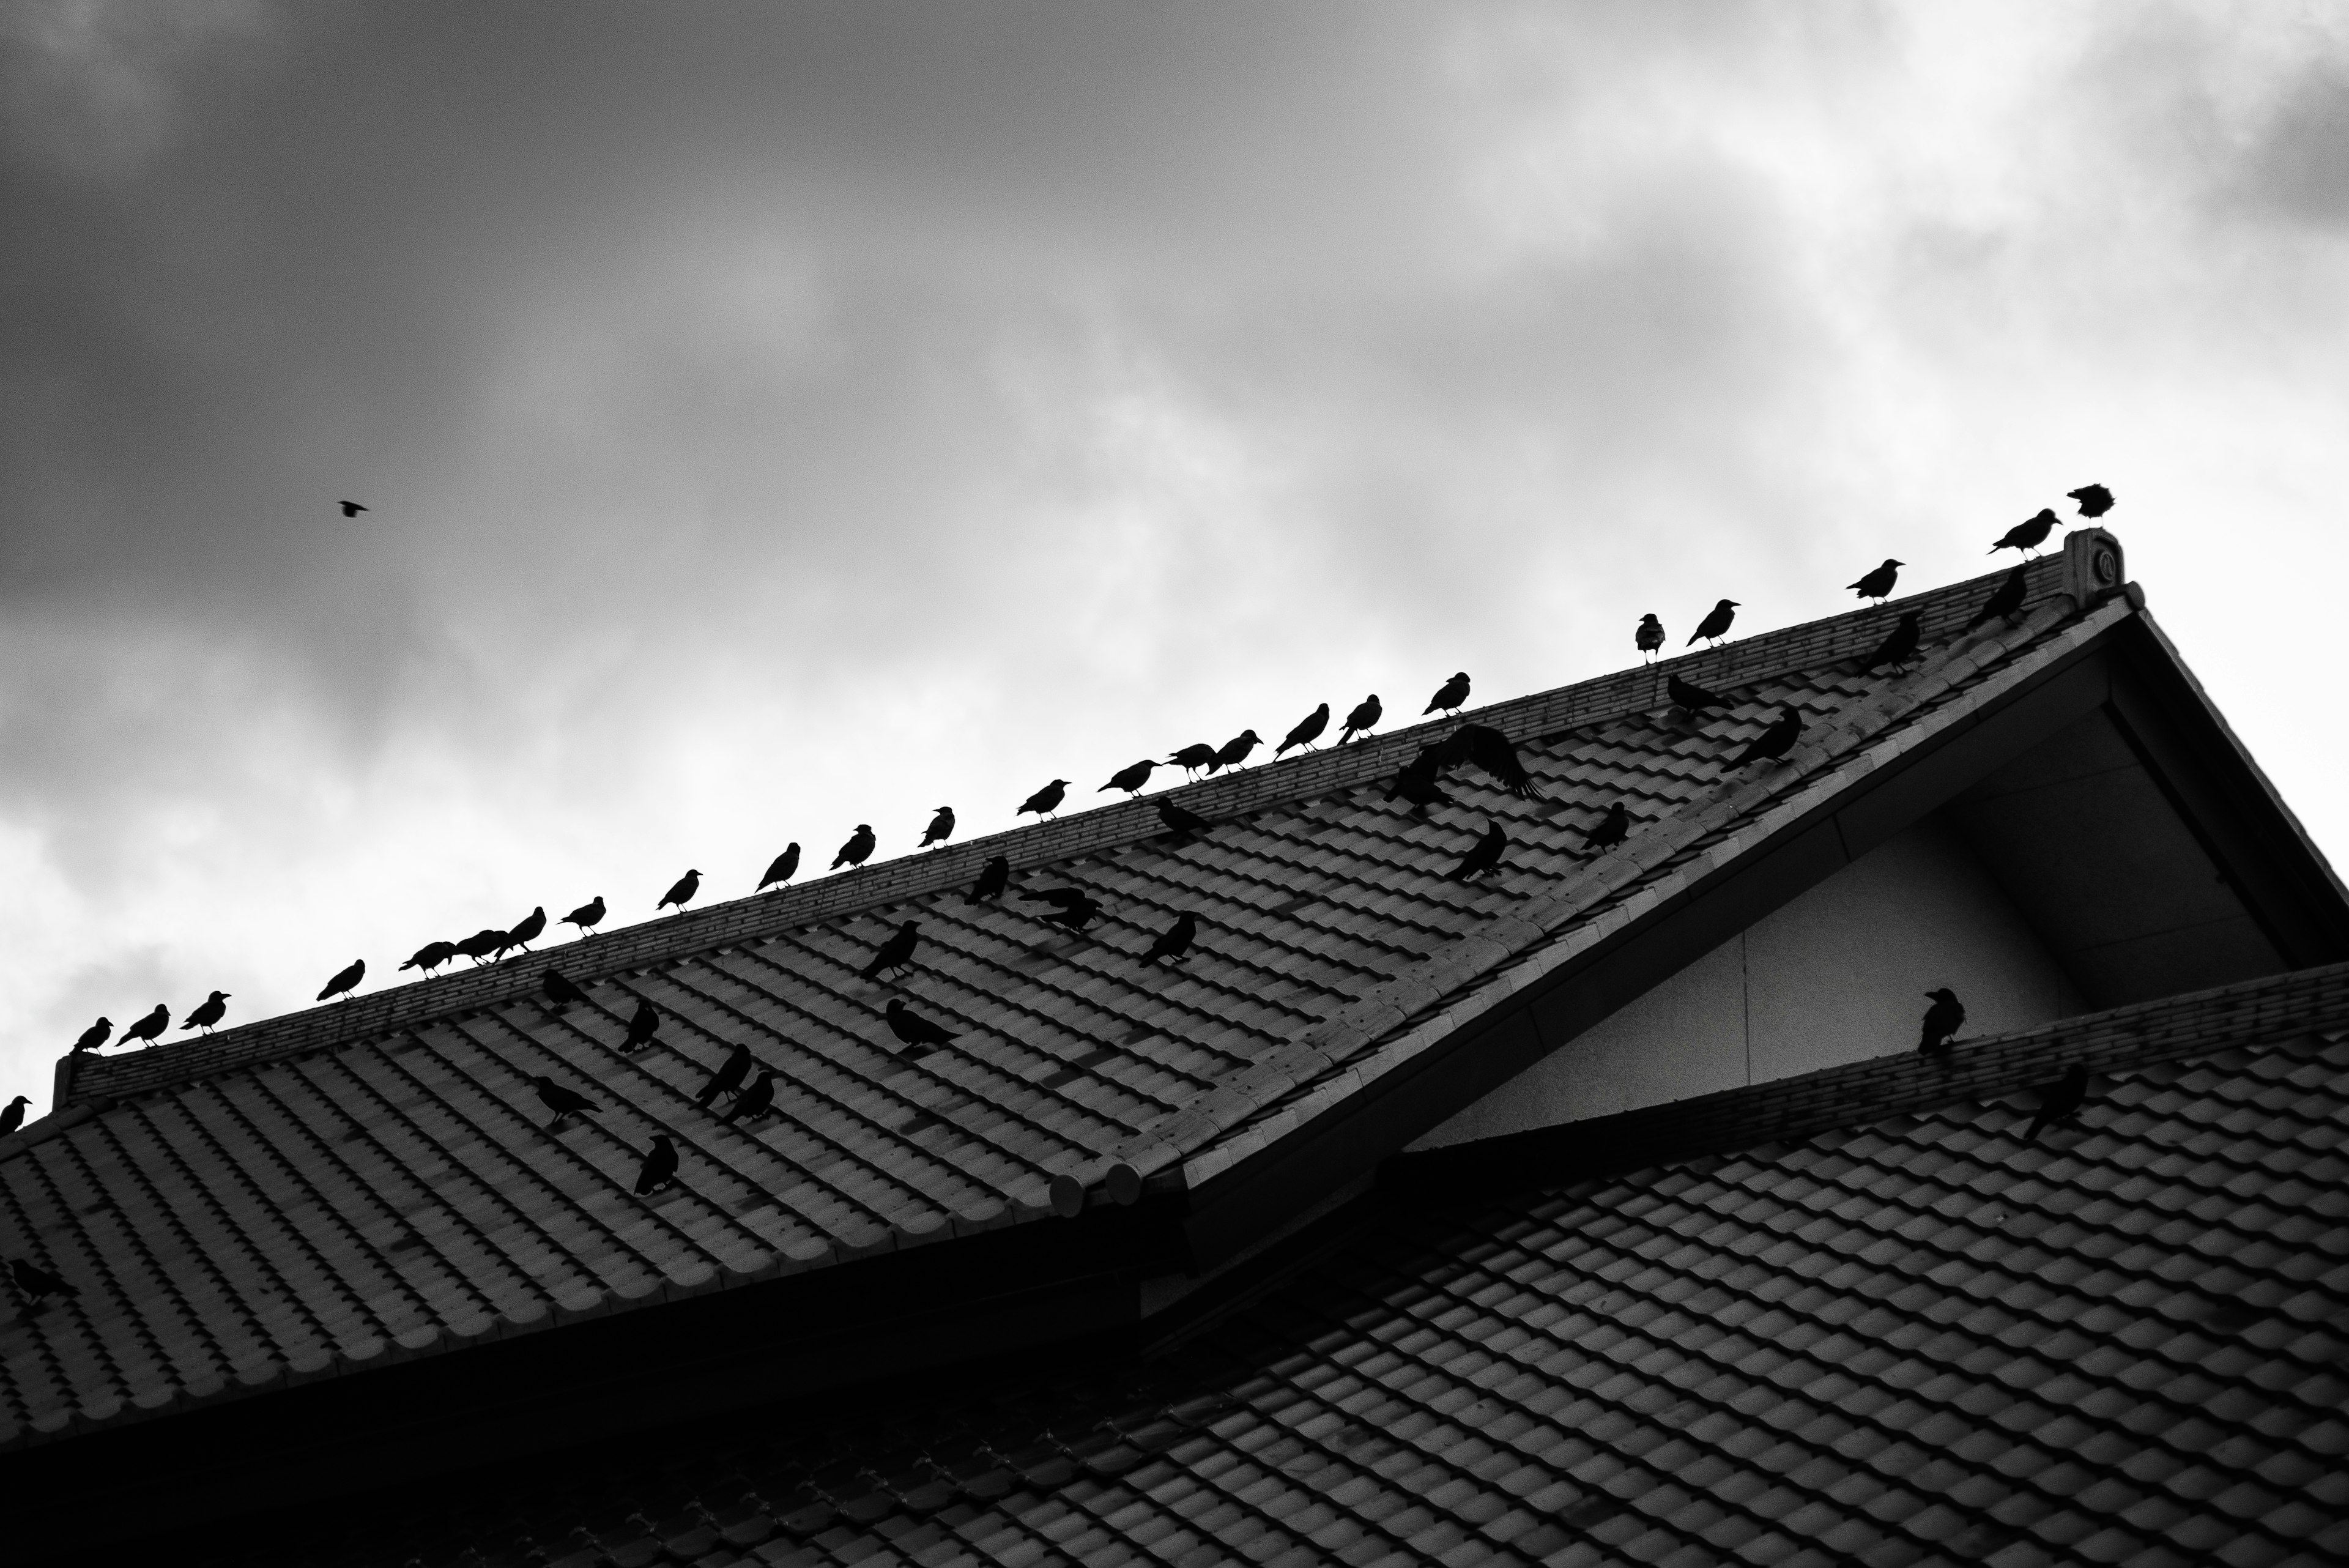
[(2060, 1101), (1899, 644), (1449, 697), (559, 988), (1071, 906), (1484, 856), (563, 1102), (38, 1282), (1773, 741), (917, 1031), (896, 952), (727, 1079), (940, 829), (352, 508), (659, 1167), (505, 941), (1649, 636), (1192, 758), (1175, 939), (993, 877), (1363, 719), (1179, 820), (1716, 624), (148, 1027), (1045, 802), (642, 1026), (1878, 584), (1608, 831), (586, 915), (858, 850), (1692, 698), (1129, 778), (2004, 599), (782, 868), (681, 891), (95, 1035), (1943, 1021), (2028, 535), (482, 943), (1235, 752), (1308, 729), (2095, 500), (757, 1100), (1490, 750), (525, 930), (13, 1116), (346, 981), (1416, 783), (207, 1012), (432, 956)]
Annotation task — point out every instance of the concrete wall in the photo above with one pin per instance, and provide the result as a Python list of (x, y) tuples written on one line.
[(1837, 976)]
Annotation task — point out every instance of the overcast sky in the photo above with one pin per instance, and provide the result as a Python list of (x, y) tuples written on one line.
[(777, 417)]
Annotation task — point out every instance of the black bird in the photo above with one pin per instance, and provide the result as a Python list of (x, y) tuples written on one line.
[(940, 829), (563, 1102), (2095, 500), (1692, 698), (896, 952), (1192, 758), (1878, 584), (207, 1012), (1449, 696), (682, 890), (1716, 624), (1485, 857), (1489, 750), (1608, 831), (2028, 535), (1181, 821), (659, 1167), (1899, 645), (642, 1026), (1129, 778), (505, 941), (1650, 636), (727, 1079), (586, 915), (1775, 742), (2060, 1101), (914, 1029), (13, 1116), (782, 868), (482, 943), (993, 877), (858, 850), (352, 508), (757, 1100), (36, 1282), (1235, 752), (148, 1027), (1045, 802), (1416, 783), (2003, 601), (95, 1035), (346, 981), (1308, 729), (1175, 939), (525, 930), (1943, 1021), (559, 988), (1071, 906), (432, 956), (1363, 719)]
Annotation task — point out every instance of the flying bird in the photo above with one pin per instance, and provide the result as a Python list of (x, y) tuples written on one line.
[(432, 956), (1071, 906), (13, 1116), (1175, 939), (1363, 719), (1416, 783), (2095, 500), (95, 1035), (1878, 584), (1308, 729), (352, 508), (346, 981), (1192, 758), (896, 952), (2060, 1102), (207, 1012), (642, 1026), (1489, 750), (1045, 802), (1775, 742), (1608, 831), (482, 943), (559, 988), (1449, 697), (659, 1167), (914, 1029), (757, 1100), (1177, 820), (993, 877), (1129, 778), (563, 1102), (782, 868), (727, 1079), (1235, 752), (1716, 624), (2028, 535), (1692, 698), (1899, 645), (680, 892), (2004, 599), (1484, 856), (148, 1027), (586, 915), (940, 829), (1649, 636), (858, 850), (38, 1282), (525, 930), (1943, 1021)]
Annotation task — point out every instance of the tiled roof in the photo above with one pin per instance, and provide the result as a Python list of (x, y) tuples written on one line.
[(376, 1179), (1918, 1339)]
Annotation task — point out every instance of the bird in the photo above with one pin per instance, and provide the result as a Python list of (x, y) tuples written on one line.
[(148, 1027), (993, 877), (782, 868), (1608, 831), (1192, 758), (2060, 1101), (757, 1100), (1899, 644), (482, 943), (858, 850), (642, 1026), (681, 891), (559, 988), (346, 981), (727, 1079), (896, 952), (1234, 751), (563, 1102), (1071, 906), (586, 915), (1489, 750), (914, 1029), (1308, 729), (1449, 696), (525, 930), (1484, 856), (1878, 584), (1129, 778), (207, 1012), (2004, 599), (1175, 939), (1692, 698), (940, 829), (1649, 636), (1045, 802), (13, 1116), (2029, 533), (505, 941), (352, 508), (1716, 624), (36, 1282), (1415, 781), (1363, 719), (659, 1167), (1941, 1021), (1773, 741), (1179, 820), (432, 956), (2095, 500), (95, 1035)]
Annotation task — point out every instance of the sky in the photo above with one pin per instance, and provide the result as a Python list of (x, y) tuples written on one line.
[(780, 417)]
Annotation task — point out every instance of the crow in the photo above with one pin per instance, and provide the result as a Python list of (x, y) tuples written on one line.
[(505, 941), (1235, 752), (432, 956), (1878, 584), (1608, 831), (1489, 750), (1450, 696), (642, 1026), (1072, 906), (917, 1031), (1308, 729), (346, 981), (858, 850), (2003, 601), (2095, 500), (727, 1079), (148, 1027), (993, 877), (207, 1012), (1129, 778), (1692, 698), (482, 943), (782, 868), (940, 829), (586, 915), (1899, 645), (1363, 719), (1176, 940), (2060, 1101), (757, 1100), (680, 892), (1775, 742), (896, 952), (1648, 637), (95, 1035), (559, 988), (659, 1167), (1192, 758), (36, 1282), (1416, 783), (1484, 856), (352, 508), (1943, 1021), (13, 1116), (1716, 624), (525, 930), (563, 1102), (1177, 820), (2028, 535), (1045, 802)]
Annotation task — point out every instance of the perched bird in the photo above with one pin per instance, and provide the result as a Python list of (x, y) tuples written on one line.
[(1608, 831), (1899, 644), (1485, 857), (858, 850), (1129, 778), (482, 943), (1449, 696), (1416, 783), (1235, 752), (727, 1079), (36, 1282), (896, 952), (1363, 719), (757, 1100), (659, 1167), (148, 1027), (95, 1035), (642, 1026), (1716, 624), (1175, 939), (352, 508), (1045, 802), (914, 1029), (2028, 535), (1192, 758), (1650, 636), (2095, 500), (505, 941), (682, 890), (1180, 821), (586, 915), (1692, 698), (207, 1012), (13, 1116), (1308, 730), (1489, 750), (1775, 742), (2004, 599), (563, 1102), (346, 981), (432, 956), (1941, 1021), (2060, 1101), (559, 988), (782, 868), (940, 829), (1878, 584), (1071, 906), (993, 877), (525, 930)]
